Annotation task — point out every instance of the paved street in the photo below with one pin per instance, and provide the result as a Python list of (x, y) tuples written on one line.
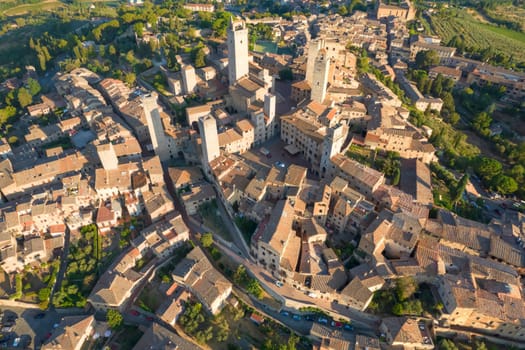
[(29, 329), (288, 292)]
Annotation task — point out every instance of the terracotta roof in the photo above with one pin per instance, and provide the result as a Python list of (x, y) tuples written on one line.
[(316, 107), (69, 334)]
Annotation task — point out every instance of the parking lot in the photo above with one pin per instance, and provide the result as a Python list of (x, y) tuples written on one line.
[(26, 328)]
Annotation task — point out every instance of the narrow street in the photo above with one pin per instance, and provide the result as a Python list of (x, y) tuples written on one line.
[(288, 292), (62, 270), (239, 239)]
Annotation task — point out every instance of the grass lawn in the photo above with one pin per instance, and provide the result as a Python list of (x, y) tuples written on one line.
[(159, 83), (505, 32), (213, 220), (265, 46)]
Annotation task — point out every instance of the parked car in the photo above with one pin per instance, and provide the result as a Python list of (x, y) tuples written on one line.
[(297, 317), (336, 324), (322, 320), (279, 284), (285, 313), (348, 327)]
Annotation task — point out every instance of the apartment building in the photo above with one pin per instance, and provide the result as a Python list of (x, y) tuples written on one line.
[(275, 244), (316, 142), (360, 177), (203, 280)]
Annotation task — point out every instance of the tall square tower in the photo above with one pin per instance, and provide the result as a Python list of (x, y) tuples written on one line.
[(188, 78), (237, 51), (210, 139), (320, 77), (155, 127)]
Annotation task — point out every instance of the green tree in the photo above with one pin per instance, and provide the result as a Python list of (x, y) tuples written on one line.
[(488, 168), (112, 50), (398, 309), (207, 240), (33, 86), (130, 78), (200, 58), (24, 97), (482, 121), (518, 172), (426, 59), (460, 188), (139, 29), (437, 86), (405, 287), (453, 118), (240, 276), (481, 345), (114, 318), (447, 344), (505, 184), (12, 140), (254, 288), (396, 177)]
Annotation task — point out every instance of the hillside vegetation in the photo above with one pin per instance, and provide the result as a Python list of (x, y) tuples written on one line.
[(487, 42)]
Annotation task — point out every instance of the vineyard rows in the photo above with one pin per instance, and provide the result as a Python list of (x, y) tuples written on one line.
[(476, 34)]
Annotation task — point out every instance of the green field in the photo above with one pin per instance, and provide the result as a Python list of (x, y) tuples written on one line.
[(510, 13), (33, 8), (478, 35), (265, 46)]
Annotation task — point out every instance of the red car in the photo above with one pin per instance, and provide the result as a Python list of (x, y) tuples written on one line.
[(149, 318), (134, 312)]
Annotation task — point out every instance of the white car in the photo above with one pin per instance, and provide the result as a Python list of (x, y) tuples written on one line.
[(279, 284)]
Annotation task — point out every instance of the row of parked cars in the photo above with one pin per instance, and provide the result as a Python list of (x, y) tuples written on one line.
[(319, 319), (7, 338)]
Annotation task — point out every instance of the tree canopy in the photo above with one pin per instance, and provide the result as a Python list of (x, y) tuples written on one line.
[(426, 59), (114, 318)]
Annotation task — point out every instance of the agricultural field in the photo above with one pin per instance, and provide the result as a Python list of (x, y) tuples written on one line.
[(475, 34), (23, 9), (509, 13)]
